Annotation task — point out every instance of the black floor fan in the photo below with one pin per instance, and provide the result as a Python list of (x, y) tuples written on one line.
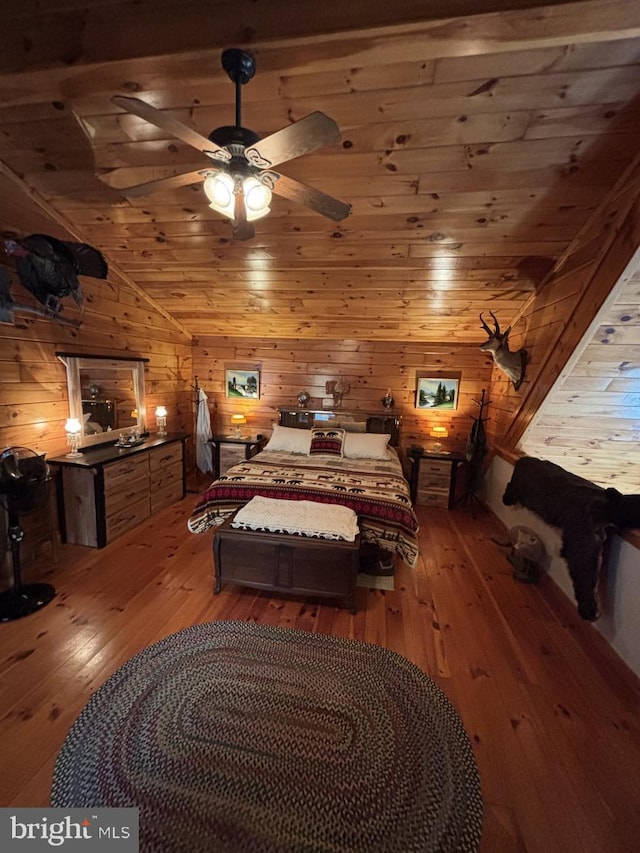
[(24, 478)]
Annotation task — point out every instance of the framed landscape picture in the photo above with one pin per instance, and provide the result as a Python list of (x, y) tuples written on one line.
[(437, 392), (242, 383)]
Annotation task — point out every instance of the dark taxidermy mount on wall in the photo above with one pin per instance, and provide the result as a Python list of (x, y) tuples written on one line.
[(511, 363), (8, 305), (49, 269)]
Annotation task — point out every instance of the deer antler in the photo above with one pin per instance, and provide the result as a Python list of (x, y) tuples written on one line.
[(485, 327)]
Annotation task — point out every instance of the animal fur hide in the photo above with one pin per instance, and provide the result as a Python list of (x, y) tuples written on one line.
[(583, 511)]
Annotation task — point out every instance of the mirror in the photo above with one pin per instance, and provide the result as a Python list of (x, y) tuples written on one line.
[(106, 395)]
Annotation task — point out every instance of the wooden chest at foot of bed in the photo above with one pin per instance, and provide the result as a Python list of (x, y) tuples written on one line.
[(282, 563)]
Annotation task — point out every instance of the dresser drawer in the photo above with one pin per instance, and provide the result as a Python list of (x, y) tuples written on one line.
[(171, 473), (126, 492), (129, 516), (121, 473), (166, 488), (164, 457)]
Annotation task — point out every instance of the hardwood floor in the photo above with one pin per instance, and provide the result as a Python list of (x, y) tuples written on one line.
[(551, 711)]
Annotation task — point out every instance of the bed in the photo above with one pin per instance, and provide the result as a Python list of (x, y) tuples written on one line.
[(327, 466)]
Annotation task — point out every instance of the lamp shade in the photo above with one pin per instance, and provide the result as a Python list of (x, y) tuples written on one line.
[(161, 419), (439, 432), (257, 198), (219, 187), (73, 428), (237, 420)]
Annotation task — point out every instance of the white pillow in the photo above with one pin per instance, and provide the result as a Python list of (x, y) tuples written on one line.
[(289, 439), (370, 445)]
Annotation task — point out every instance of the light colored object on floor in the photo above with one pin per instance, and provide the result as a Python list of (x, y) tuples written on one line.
[(375, 581)]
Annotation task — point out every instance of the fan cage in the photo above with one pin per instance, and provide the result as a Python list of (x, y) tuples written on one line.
[(27, 491)]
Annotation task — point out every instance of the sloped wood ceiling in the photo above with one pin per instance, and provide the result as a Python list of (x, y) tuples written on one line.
[(479, 152), (474, 147), (590, 421)]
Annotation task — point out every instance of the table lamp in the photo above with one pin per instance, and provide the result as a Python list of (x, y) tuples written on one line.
[(438, 432), (73, 428), (161, 420), (236, 422)]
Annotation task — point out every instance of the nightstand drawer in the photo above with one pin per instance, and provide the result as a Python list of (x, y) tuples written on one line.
[(433, 498), (433, 479), (435, 467)]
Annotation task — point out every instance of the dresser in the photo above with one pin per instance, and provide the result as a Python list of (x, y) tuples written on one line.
[(109, 490), (433, 478)]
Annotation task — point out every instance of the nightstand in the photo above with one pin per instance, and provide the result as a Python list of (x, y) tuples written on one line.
[(252, 444), (433, 478)]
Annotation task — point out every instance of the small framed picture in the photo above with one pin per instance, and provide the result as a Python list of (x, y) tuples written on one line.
[(242, 383), (437, 392)]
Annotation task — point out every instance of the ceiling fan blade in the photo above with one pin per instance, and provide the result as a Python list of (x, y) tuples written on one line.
[(171, 183), (311, 197), (310, 133), (171, 125)]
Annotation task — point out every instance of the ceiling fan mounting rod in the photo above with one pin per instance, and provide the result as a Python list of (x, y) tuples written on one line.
[(240, 67)]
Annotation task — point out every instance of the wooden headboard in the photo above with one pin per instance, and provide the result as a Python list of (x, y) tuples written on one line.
[(380, 422)]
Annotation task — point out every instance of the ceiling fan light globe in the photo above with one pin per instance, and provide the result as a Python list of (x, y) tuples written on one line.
[(257, 197), (220, 190), (252, 215)]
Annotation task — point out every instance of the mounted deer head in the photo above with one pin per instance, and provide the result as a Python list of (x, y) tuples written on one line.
[(511, 363)]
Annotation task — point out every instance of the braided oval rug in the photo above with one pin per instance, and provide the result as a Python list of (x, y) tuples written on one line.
[(232, 736)]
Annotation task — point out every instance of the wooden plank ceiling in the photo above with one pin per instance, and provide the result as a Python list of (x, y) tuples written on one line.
[(474, 147)]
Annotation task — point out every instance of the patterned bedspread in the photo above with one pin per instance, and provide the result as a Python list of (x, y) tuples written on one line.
[(375, 490)]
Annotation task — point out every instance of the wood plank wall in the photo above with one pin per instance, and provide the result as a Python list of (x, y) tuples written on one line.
[(290, 365), (115, 321)]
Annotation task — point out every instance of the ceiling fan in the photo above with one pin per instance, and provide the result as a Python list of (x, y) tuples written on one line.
[(240, 179)]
